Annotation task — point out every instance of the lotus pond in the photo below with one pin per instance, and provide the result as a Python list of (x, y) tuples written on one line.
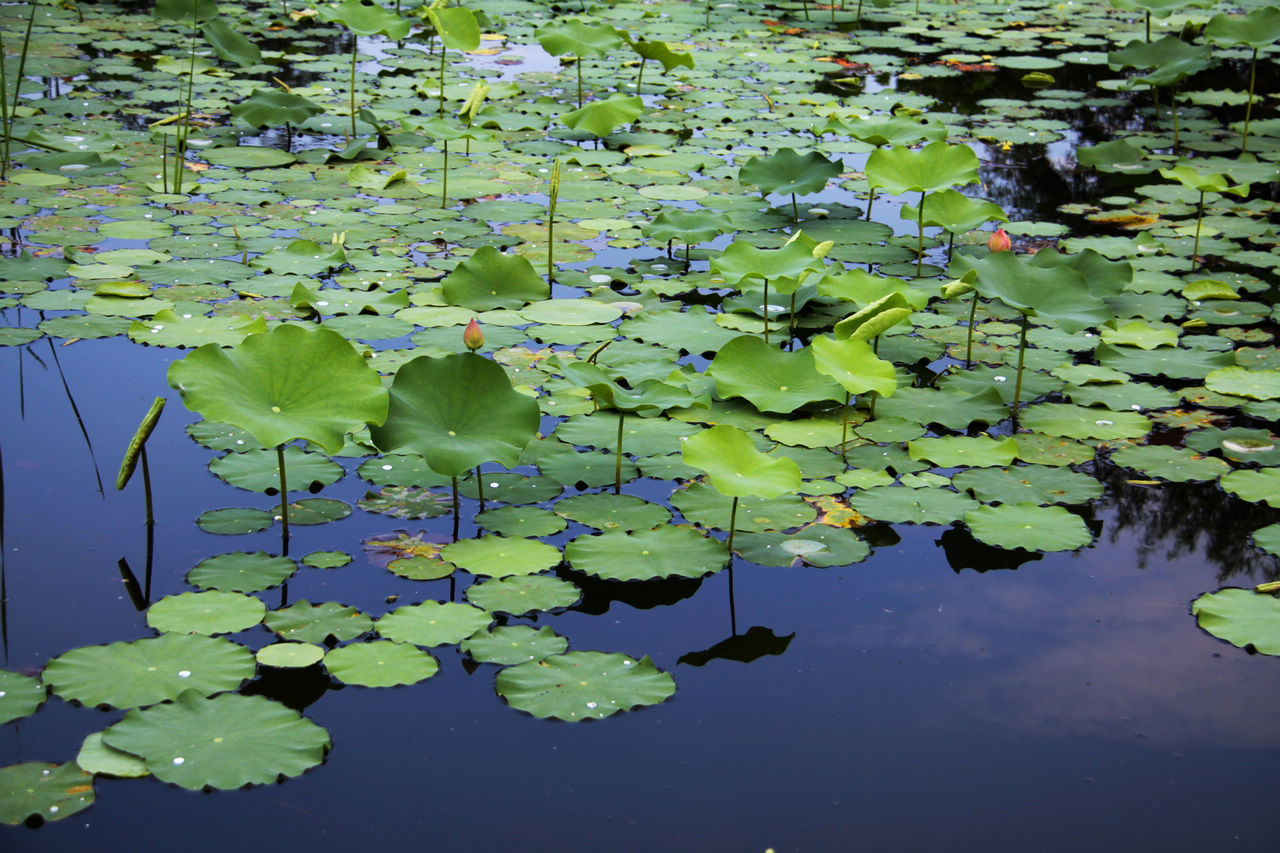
[(866, 430)]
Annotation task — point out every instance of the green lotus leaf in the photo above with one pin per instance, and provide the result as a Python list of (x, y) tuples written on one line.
[(881, 130), (301, 257), (340, 301), (401, 469), (205, 613), (234, 521), (1254, 384), (490, 279), (1177, 465), (499, 557), (687, 226), (406, 502), (1259, 29), (816, 545), (613, 512), (365, 19), (230, 45), (1268, 539), (863, 288), (1081, 422), (1174, 362), (659, 51), (1168, 59), (272, 108), (20, 695), (1257, 446), (577, 38), (584, 685), (150, 670), (287, 384), (648, 397), (1056, 291), (520, 521), (771, 379), (168, 328), (1206, 182), (185, 11), (432, 623), (875, 318), (326, 559), (960, 451), (703, 505), (1242, 617), (224, 742), (1028, 526), (736, 469), (511, 644), (380, 663), (242, 572), (743, 261), (290, 655), (1037, 484), (258, 470), (602, 118), (954, 411), (954, 211), (96, 757), (50, 791), (936, 166), (317, 511), (1118, 155), (457, 27), (1261, 486), (1139, 333), (897, 504), (318, 623), (514, 488), (458, 412), (786, 172), (520, 595), (571, 312), (665, 552), (693, 331)]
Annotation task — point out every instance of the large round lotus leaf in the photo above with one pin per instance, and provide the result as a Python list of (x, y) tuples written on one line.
[(489, 279), (499, 557), (241, 572), (640, 436), (406, 502), (935, 166), (247, 157), (317, 511), (744, 262), (401, 469), (702, 504), (1037, 484), (259, 470), (601, 118), (1034, 528), (665, 552), (20, 695), (1081, 422), (1173, 362), (735, 468), (96, 757), (47, 791), (584, 685), (613, 512), (571, 312), (234, 520), (693, 331), (1257, 486), (432, 623), (216, 436), (223, 742), (1268, 539), (917, 506), (784, 171), (365, 19), (815, 545), (520, 595), (168, 328), (510, 644), (290, 655), (513, 488), (773, 380), (150, 670), (958, 451), (205, 613), (1056, 291), (318, 623), (1242, 617), (854, 365), (520, 521), (457, 412), (287, 384), (1175, 464), (952, 410), (1258, 446), (380, 663), (1255, 384)]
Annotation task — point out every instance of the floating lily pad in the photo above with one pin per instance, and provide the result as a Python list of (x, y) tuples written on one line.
[(234, 520), (665, 552), (702, 504), (242, 572), (318, 623), (317, 511), (1242, 617), (326, 559), (259, 470), (96, 757), (150, 670), (1177, 465), (511, 644), (1257, 486), (1081, 422), (956, 451), (609, 512), (407, 502), (1239, 444), (1028, 526), (46, 791), (290, 655), (520, 521), (499, 557), (206, 613), (1254, 384), (917, 506), (432, 623), (1268, 539), (224, 742), (1037, 484), (20, 695), (380, 663), (815, 545), (520, 595), (584, 685)]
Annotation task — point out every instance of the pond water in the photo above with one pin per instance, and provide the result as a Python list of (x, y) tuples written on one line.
[(940, 692)]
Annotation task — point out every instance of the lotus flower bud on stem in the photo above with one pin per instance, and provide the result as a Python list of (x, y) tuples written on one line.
[(472, 336), (999, 241)]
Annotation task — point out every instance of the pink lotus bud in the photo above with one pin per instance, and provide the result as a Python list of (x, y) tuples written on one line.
[(999, 241), (472, 336)]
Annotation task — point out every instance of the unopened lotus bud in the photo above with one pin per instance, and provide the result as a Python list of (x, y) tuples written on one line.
[(999, 241), (472, 336)]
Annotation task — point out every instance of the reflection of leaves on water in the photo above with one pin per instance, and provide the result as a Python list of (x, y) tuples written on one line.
[(1183, 518), (744, 648), (965, 552)]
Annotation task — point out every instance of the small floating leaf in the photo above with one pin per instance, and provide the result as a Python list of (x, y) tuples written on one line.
[(584, 685)]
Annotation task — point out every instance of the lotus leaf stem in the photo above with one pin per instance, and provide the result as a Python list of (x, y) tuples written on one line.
[(617, 463), (146, 486), (968, 346), (1248, 110), (733, 525), (1195, 251), (1017, 385), (455, 509), (920, 238), (284, 501), (480, 488)]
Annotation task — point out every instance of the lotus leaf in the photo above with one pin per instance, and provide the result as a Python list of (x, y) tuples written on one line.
[(520, 595), (490, 279), (257, 471), (500, 557), (954, 411), (511, 644), (1254, 384), (318, 623), (786, 172), (380, 663), (96, 757), (578, 38), (326, 559), (241, 572), (205, 613), (406, 502), (520, 521), (432, 623), (703, 505), (1239, 444), (954, 211), (957, 451), (234, 521), (736, 469), (773, 380), (47, 791), (1257, 486), (365, 19), (290, 655), (224, 742), (613, 512), (1026, 525), (1080, 422), (1037, 484), (317, 511), (150, 670), (916, 506), (1176, 363), (816, 545), (167, 328), (1268, 539), (601, 118), (20, 695), (936, 166), (1242, 617), (272, 108), (584, 685), (664, 552)]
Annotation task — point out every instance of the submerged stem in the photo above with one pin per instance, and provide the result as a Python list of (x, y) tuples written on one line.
[(146, 485)]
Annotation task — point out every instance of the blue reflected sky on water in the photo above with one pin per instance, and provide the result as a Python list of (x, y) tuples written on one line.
[(1071, 703)]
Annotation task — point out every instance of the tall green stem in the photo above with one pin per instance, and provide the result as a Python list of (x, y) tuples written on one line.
[(284, 500), (355, 47), (617, 463), (10, 112), (920, 239), (1017, 385), (480, 488), (5, 124), (844, 428), (456, 512), (146, 486), (765, 308), (551, 219), (968, 346), (1248, 110), (1195, 251), (733, 525), (444, 176), (579, 82), (440, 109)]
